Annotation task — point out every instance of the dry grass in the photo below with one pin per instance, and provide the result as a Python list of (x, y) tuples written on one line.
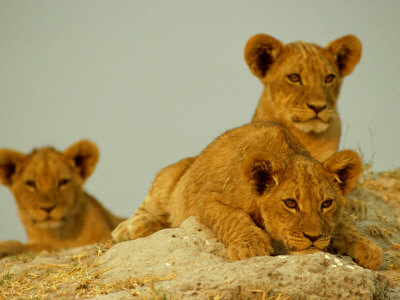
[(383, 233), (394, 263), (366, 175), (80, 277), (395, 173), (394, 260)]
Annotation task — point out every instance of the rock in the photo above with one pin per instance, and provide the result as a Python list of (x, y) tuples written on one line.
[(197, 264)]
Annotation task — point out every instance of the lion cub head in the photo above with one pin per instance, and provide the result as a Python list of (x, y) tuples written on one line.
[(47, 184), (302, 79), (301, 86), (300, 201)]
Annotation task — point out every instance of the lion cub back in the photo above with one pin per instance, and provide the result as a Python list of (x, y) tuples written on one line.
[(221, 163)]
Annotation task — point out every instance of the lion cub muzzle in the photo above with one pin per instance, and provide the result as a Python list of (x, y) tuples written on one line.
[(48, 216), (316, 107), (48, 209), (305, 243), (312, 234)]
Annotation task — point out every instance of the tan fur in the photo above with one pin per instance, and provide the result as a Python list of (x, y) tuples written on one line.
[(307, 105), (52, 205), (239, 185)]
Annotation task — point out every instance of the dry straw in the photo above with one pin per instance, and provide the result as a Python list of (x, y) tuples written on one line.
[(78, 278)]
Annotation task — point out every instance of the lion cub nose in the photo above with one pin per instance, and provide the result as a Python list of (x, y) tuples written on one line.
[(315, 107), (312, 238), (48, 209)]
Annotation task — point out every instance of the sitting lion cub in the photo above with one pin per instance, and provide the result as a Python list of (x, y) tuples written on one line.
[(301, 86), (256, 184), (47, 186)]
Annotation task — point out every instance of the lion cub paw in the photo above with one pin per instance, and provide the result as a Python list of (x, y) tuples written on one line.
[(368, 255), (11, 248), (250, 247), (136, 227), (123, 231)]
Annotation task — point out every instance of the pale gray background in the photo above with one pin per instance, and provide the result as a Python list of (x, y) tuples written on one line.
[(152, 82)]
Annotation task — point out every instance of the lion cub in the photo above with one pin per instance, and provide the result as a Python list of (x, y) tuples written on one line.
[(55, 210), (301, 86), (256, 184)]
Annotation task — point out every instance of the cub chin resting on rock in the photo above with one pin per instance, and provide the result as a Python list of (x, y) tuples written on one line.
[(255, 185)]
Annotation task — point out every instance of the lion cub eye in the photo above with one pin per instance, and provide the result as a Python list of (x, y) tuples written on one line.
[(63, 182), (294, 77), (326, 203), (290, 203), (31, 184), (329, 78)]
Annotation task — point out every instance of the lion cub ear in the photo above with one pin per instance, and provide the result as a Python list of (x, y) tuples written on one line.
[(260, 52), (85, 155), (9, 160), (346, 52), (346, 167), (261, 170)]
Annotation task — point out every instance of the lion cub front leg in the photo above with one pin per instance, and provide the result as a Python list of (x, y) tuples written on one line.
[(12, 247), (250, 244), (346, 239), (234, 227), (145, 221), (153, 214)]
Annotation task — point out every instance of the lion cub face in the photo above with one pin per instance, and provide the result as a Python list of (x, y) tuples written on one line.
[(301, 201), (302, 80), (307, 84), (47, 184), (306, 208)]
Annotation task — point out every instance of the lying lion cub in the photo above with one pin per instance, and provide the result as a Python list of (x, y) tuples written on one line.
[(47, 186), (255, 184), (301, 86)]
